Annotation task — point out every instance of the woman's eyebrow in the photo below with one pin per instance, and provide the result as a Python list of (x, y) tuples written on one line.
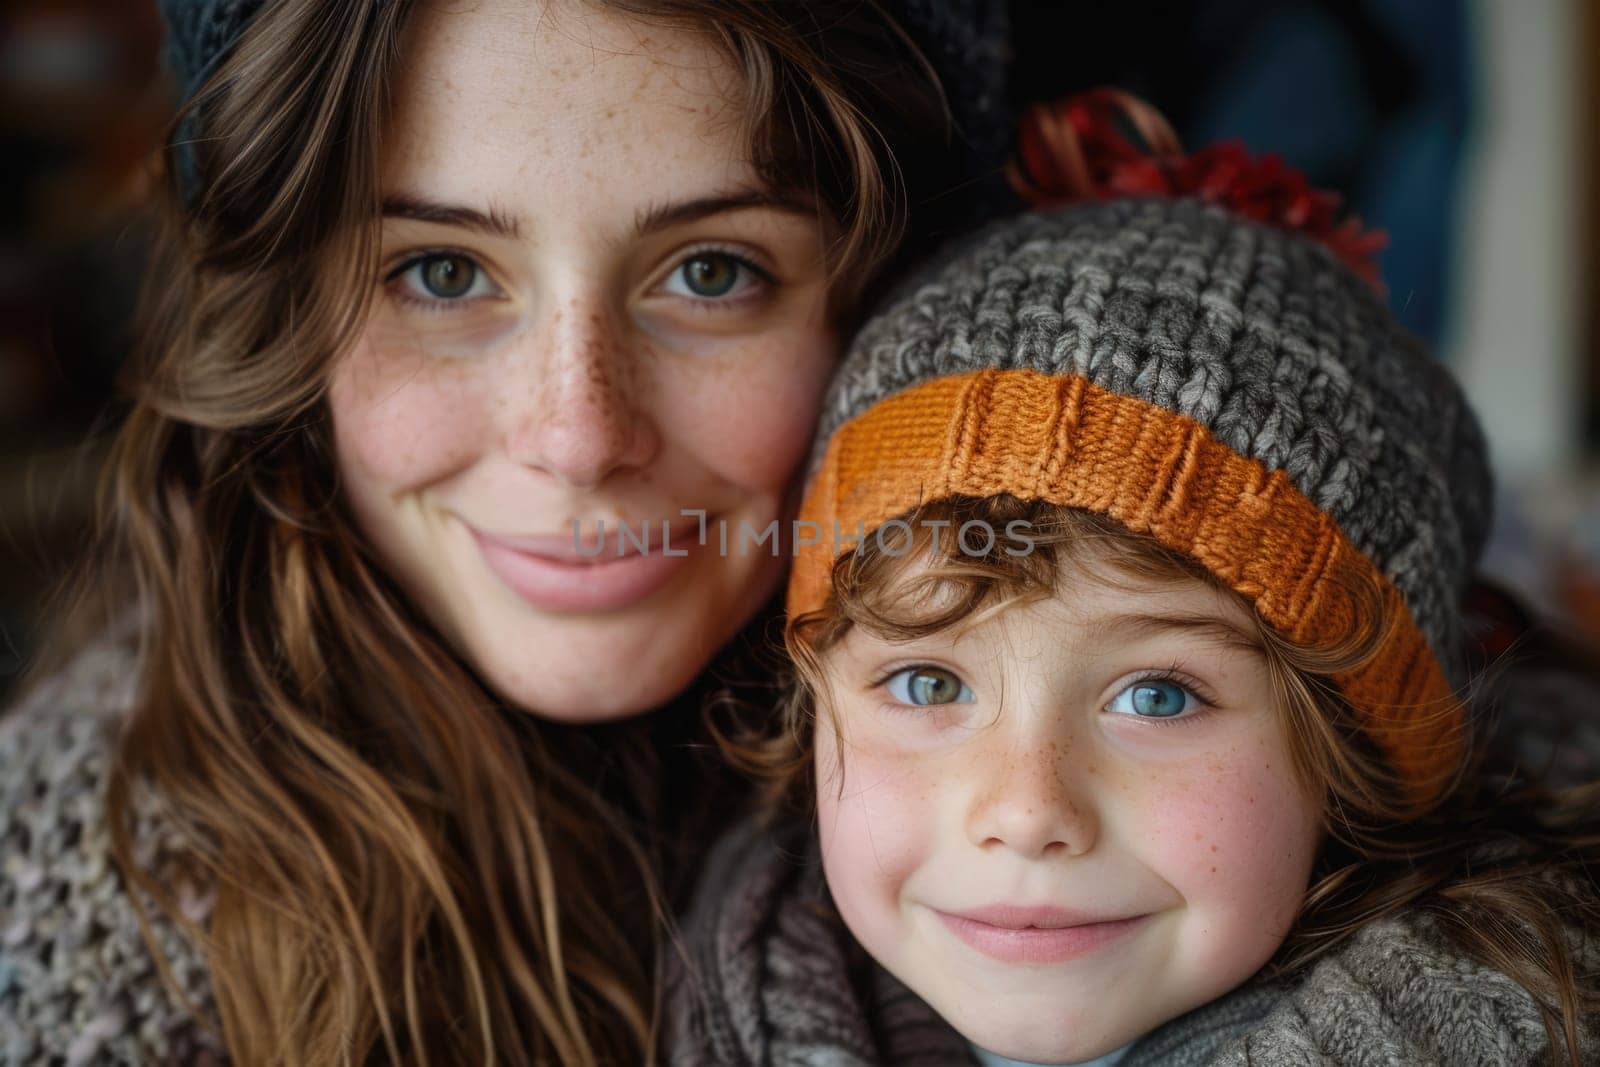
[(495, 222), (664, 215)]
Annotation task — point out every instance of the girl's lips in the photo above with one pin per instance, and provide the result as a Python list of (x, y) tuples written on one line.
[(1013, 940), (549, 572)]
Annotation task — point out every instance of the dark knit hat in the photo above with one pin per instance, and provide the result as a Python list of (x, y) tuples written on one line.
[(200, 34), (966, 41), (1228, 386)]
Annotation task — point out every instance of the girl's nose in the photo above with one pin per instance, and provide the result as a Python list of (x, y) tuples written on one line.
[(1026, 804), (585, 416)]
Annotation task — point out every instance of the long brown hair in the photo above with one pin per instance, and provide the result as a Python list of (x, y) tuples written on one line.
[(405, 869), (1509, 866)]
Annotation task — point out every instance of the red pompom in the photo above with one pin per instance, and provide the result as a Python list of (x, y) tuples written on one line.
[(1075, 149)]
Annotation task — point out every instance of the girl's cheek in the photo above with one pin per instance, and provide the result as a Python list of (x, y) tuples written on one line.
[(402, 418), (1235, 836), (876, 815)]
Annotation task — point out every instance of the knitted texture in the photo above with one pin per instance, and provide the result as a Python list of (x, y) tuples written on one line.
[(1062, 439), (77, 982), (766, 981), (199, 34), (771, 976), (1218, 331), (968, 42)]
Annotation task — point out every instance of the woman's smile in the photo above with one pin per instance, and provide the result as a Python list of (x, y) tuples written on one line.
[(610, 573)]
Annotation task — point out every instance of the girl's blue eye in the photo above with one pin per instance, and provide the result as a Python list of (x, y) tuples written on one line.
[(925, 686), (443, 277), (713, 275), (1155, 698)]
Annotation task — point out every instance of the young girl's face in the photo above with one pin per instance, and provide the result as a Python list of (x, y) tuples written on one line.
[(590, 310), (1069, 823)]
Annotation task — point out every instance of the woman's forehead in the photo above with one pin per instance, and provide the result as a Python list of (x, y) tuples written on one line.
[(557, 40), (541, 108)]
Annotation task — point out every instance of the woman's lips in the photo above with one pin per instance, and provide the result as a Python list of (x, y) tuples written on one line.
[(1034, 935), (557, 574)]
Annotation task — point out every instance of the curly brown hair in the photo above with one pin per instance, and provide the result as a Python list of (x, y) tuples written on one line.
[(1508, 864)]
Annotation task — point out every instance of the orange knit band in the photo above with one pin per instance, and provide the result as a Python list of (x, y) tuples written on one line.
[(1066, 441)]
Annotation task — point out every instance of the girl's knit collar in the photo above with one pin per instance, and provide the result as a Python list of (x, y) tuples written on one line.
[(1110, 1059)]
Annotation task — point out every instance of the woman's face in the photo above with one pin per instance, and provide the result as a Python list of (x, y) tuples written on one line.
[(590, 311)]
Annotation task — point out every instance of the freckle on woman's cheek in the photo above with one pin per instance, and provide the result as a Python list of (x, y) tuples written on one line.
[(404, 422), (774, 433)]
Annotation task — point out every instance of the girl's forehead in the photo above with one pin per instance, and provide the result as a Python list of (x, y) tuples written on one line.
[(1098, 593), (1106, 611), (1095, 605)]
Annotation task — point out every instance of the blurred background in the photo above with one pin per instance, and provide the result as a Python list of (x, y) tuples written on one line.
[(1465, 129)]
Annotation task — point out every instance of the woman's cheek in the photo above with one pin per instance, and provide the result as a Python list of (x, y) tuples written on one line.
[(402, 419), (752, 409)]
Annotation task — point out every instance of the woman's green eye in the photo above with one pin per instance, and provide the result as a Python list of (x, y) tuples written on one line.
[(711, 274), (440, 281), (448, 277), (716, 277), (925, 686)]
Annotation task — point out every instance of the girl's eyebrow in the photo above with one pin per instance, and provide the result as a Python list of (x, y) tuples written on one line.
[(1219, 631)]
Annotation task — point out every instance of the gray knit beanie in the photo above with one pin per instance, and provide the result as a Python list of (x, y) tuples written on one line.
[(1227, 386)]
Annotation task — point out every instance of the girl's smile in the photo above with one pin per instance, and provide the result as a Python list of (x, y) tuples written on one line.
[(1014, 934)]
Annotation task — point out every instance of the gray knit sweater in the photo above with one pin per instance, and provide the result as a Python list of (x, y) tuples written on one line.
[(771, 979), (78, 986), (77, 982)]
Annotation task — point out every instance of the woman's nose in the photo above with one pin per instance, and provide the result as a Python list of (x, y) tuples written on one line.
[(1027, 803), (587, 415)]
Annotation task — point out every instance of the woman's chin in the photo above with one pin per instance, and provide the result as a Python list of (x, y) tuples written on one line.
[(596, 670), (587, 708), (604, 688)]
